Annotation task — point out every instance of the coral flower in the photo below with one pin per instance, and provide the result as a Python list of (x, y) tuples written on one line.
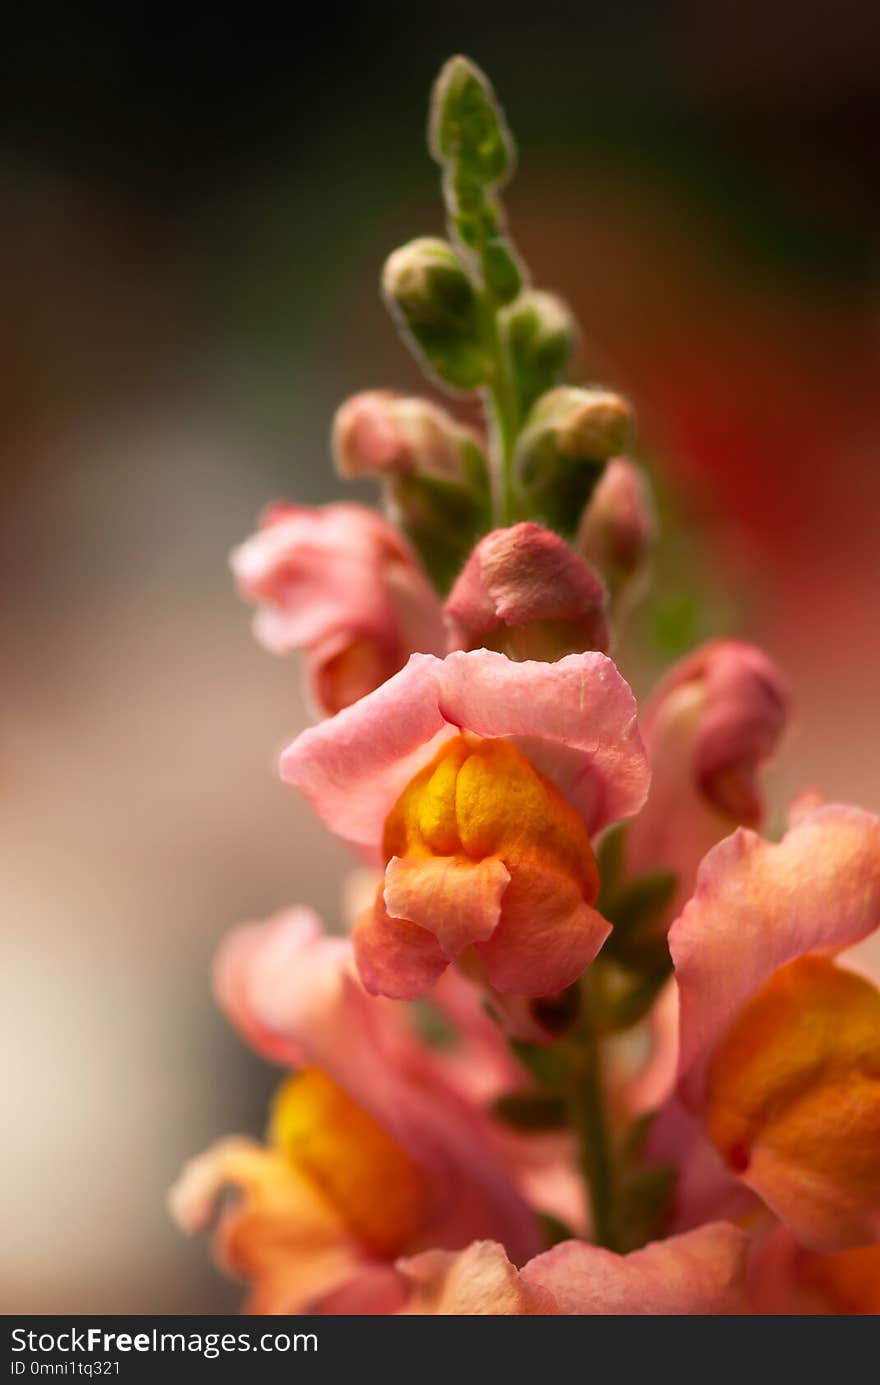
[(341, 583), (477, 782), (371, 1152), (709, 726), (779, 1042), (701, 1272)]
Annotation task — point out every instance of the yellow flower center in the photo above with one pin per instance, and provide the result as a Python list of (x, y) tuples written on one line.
[(481, 798), (798, 1076), (357, 1167)]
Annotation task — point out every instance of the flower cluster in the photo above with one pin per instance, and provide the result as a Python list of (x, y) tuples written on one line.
[(592, 1044)]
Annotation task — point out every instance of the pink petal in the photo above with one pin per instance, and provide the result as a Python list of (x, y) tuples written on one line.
[(575, 720), (477, 1282), (456, 899), (354, 766), (396, 958), (699, 1273), (757, 906), (547, 935)]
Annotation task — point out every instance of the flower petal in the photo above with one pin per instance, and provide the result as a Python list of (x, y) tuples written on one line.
[(453, 897), (396, 958), (701, 1272), (477, 1282), (575, 720), (547, 935), (354, 766), (757, 906)]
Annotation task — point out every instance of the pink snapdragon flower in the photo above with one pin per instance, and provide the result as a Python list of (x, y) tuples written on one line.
[(526, 592), (372, 1152), (477, 783), (341, 583), (708, 728), (779, 1053), (702, 1272)]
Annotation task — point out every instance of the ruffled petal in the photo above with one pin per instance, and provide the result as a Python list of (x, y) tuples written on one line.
[(699, 1273), (396, 958), (575, 720), (547, 935), (453, 897), (758, 905), (354, 766), (477, 1282)]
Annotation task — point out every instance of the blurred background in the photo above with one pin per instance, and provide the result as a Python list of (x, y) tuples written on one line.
[(195, 213)]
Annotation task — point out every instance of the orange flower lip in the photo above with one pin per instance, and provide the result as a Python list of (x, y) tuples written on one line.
[(353, 1163), (794, 1085)]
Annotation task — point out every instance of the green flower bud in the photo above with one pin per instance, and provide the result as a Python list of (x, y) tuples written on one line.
[(467, 127), (569, 435), (540, 333), (469, 138), (434, 302)]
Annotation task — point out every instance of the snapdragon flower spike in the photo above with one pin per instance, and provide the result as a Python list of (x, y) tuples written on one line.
[(371, 1152), (525, 592), (431, 467), (342, 584), (779, 1044), (477, 783), (702, 1272), (709, 726)]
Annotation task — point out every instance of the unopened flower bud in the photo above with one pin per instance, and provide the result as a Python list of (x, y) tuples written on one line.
[(431, 295), (569, 435), (381, 433), (540, 332), (618, 527), (524, 592), (432, 467)]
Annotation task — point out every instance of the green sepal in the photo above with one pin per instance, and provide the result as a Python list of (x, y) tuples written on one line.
[(442, 520)]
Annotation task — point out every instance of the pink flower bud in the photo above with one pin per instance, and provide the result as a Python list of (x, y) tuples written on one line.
[(617, 528), (381, 433), (525, 592), (710, 725)]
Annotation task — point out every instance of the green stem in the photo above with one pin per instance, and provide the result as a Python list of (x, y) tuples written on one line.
[(586, 1103), (503, 408)]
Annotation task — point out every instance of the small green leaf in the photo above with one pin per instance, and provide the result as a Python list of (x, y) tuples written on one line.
[(540, 1110), (633, 905), (548, 1064)]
